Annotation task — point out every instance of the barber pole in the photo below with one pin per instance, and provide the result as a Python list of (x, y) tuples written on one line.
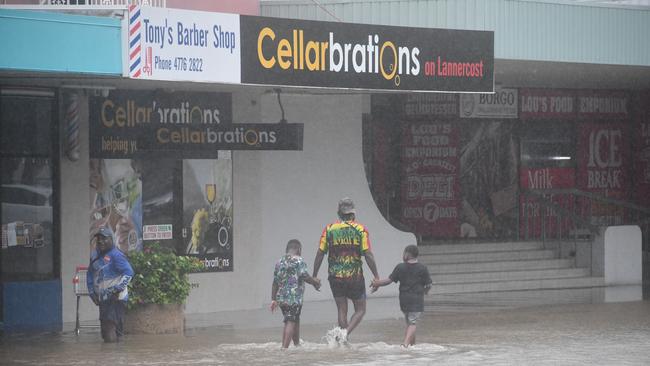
[(72, 127), (135, 57)]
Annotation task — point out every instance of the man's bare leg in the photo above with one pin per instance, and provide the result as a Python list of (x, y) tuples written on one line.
[(342, 306), (359, 312)]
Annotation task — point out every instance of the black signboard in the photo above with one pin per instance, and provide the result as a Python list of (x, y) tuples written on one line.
[(130, 124), (279, 51)]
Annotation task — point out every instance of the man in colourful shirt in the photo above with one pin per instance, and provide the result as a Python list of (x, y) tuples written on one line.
[(346, 241), (289, 279)]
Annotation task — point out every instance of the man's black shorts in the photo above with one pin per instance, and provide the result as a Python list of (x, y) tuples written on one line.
[(353, 288), (291, 312)]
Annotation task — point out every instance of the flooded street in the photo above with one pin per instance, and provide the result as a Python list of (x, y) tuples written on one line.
[(564, 334)]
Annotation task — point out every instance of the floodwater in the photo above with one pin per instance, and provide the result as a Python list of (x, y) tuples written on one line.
[(555, 334)]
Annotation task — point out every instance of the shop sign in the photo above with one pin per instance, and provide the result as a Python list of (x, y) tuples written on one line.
[(431, 105), (547, 104), (603, 104), (501, 104), (130, 124), (182, 45), (360, 56)]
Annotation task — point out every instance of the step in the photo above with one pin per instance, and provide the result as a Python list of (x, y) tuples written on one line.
[(478, 247), (517, 285), (500, 300), (448, 278), (499, 266), (486, 256)]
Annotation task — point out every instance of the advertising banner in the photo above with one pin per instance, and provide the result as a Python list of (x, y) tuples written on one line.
[(547, 104), (178, 125), (603, 161), (603, 158), (642, 153), (502, 104), (547, 178), (361, 56), (532, 213), (182, 45), (430, 183)]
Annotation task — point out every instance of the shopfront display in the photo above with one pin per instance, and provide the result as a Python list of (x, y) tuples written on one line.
[(28, 206)]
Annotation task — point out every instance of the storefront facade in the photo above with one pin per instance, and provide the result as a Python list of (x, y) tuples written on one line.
[(100, 167)]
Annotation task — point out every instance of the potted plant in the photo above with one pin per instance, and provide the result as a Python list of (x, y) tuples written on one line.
[(158, 290)]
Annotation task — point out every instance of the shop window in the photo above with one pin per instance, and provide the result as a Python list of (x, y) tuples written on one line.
[(27, 190), (548, 144)]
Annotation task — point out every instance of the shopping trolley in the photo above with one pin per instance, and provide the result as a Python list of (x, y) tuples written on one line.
[(80, 289)]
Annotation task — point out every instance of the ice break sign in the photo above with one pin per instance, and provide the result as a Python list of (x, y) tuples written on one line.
[(183, 45)]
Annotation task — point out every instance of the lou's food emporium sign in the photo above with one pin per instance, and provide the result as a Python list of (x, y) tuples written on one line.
[(166, 44)]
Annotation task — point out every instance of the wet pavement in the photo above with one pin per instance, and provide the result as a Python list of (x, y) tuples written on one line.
[(475, 329)]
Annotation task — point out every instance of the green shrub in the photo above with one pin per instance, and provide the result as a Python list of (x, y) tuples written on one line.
[(160, 276)]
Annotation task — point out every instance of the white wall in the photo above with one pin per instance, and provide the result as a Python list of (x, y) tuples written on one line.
[(301, 189), (240, 288)]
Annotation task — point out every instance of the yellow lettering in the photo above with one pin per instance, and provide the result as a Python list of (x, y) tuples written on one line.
[(265, 32), (120, 116), (284, 51), (163, 135), (312, 49), (107, 121), (176, 137), (381, 60)]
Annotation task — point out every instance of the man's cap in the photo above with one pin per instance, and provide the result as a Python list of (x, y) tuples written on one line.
[(346, 206), (105, 232)]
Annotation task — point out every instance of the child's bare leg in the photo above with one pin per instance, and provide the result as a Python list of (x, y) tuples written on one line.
[(296, 334), (409, 335), (287, 334)]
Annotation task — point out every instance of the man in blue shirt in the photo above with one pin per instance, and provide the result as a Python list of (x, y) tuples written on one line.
[(109, 273)]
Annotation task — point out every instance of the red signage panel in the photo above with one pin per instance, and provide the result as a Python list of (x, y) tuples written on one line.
[(430, 184)]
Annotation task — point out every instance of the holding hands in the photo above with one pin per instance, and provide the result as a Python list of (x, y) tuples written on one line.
[(314, 281), (376, 283)]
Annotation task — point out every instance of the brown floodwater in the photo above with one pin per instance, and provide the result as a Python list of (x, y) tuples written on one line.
[(554, 334)]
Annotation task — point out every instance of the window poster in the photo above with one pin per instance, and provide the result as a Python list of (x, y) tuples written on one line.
[(116, 201), (208, 212)]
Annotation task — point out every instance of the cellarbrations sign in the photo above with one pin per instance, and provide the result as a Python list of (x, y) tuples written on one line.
[(229, 48)]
